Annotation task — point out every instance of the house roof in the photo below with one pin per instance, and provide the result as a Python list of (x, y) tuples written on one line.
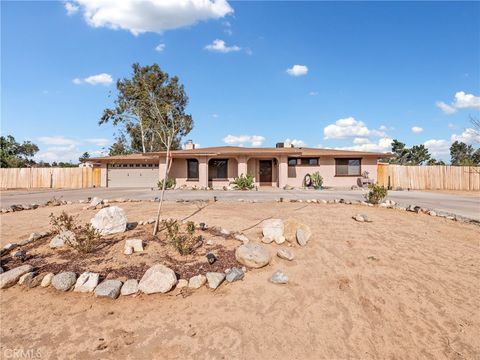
[(237, 150)]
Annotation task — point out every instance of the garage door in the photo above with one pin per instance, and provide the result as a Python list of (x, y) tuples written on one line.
[(138, 175)]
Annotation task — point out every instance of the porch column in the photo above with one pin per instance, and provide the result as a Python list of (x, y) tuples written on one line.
[(161, 167), (203, 171), (282, 171), (242, 165)]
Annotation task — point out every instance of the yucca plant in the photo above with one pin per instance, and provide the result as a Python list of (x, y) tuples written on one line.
[(170, 183), (244, 182), (317, 180), (376, 194)]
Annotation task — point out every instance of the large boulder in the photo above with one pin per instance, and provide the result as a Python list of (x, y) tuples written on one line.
[(157, 279), (272, 228), (110, 220), (303, 234), (64, 281), (252, 255), (62, 239), (87, 282), (10, 277), (108, 288)]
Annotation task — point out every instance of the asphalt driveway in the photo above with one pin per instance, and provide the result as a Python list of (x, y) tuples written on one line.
[(467, 205)]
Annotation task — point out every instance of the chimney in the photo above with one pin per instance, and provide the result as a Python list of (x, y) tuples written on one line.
[(279, 145), (189, 145)]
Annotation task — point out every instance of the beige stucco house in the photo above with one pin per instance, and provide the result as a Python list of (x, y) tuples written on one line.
[(216, 167)]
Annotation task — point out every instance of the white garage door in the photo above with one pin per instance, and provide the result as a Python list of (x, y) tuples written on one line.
[(138, 175)]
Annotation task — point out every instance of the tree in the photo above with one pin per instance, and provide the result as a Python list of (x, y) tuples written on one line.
[(418, 155), (84, 157), (14, 154), (401, 153), (433, 161), (464, 155), (132, 107), (119, 147)]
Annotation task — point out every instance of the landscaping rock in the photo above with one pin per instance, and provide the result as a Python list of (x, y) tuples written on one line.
[(36, 235), (128, 250), (10, 277), (432, 213), (87, 282), (241, 237), (25, 278), (272, 228), (266, 240), (303, 234), (214, 279), (62, 239), (235, 274), (129, 287), (110, 220), (280, 240), (286, 254), (135, 245), (252, 255), (158, 278), (197, 281), (36, 280), (108, 288), (224, 232), (290, 229), (361, 218), (95, 201), (279, 277), (47, 280), (182, 283), (64, 281)]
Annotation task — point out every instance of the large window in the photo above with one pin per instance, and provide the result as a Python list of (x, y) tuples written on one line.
[(217, 169), (192, 169), (348, 167)]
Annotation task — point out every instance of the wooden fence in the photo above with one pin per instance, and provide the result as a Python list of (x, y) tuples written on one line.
[(438, 177), (53, 178)]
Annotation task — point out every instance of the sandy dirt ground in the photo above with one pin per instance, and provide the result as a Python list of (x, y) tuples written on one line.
[(405, 286)]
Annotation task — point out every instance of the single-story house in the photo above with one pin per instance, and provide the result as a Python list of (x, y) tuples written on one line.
[(216, 167)]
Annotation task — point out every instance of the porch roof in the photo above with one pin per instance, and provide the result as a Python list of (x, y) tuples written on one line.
[(241, 151)]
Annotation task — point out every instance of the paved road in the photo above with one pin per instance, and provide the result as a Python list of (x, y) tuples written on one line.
[(463, 205)]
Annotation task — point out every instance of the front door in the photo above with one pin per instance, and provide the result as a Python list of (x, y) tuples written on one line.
[(266, 171)]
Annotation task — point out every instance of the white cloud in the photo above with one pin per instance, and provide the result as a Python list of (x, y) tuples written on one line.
[(313, 93), (160, 47), (295, 142), (98, 141), (462, 101), (360, 141), (417, 129), (59, 153), (57, 140), (383, 145), (241, 140), (215, 116), (297, 70), (438, 148), (469, 136), (349, 127), (102, 79), (150, 15), (72, 9), (219, 46)]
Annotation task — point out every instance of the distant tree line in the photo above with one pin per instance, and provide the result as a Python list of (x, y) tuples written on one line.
[(19, 155)]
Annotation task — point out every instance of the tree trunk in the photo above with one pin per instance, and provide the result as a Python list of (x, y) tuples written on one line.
[(162, 194), (142, 134)]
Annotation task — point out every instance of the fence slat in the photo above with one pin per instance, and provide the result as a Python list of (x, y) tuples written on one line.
[(56, 178), (438, 177)]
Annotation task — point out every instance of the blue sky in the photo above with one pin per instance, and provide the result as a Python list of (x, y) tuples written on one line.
[(340, 75)]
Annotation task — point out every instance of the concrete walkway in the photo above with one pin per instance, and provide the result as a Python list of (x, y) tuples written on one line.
[(464, 205)]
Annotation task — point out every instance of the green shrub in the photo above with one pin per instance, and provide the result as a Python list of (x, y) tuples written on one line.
[(244, 182), (85, 235), (183, 242), (170, 184), (62, 222), (376, 194), (317, 180)]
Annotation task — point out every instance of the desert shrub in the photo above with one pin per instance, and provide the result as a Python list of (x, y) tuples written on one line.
[(376, 194), (85, 235), (170, 184), (317, 180), (244, 182), (182, 241), (62, 222), (191, 227)]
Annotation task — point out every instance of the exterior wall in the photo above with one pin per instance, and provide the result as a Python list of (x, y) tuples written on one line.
[(103, 175), (327, 171)]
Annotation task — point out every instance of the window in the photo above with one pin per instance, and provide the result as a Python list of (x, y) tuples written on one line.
[(348, 167), (217, 169), (192, 169), (309, 161), (292, 161)]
